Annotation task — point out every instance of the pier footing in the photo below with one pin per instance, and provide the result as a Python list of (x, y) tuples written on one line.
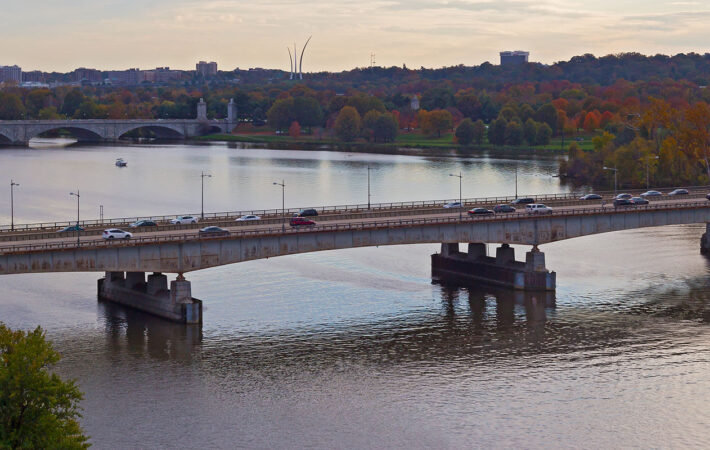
[(152, 296), (705, 241), (501, 270)]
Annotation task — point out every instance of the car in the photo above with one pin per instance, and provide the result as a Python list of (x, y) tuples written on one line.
[(591, 197), (623, 196), (651, 194), (248, 217), (639, 201), (623, 202), (679, 192), (707, 196), (182, 220), (70, 228), (143, 223), (538, 208), (213, 232), (523, 201), (477, 211), (116, 233), (310, 212), (301, 222), (453, 205), (503, 209)]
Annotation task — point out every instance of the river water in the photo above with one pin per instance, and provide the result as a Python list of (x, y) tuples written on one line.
[(358, 348)]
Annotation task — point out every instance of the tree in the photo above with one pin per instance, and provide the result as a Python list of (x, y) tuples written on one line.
[(294, 130), (479, 130), (37, 408), (436, 122), (514, 133), (11, 107), (548, 114), (437, 98), (71, 102), (530, 131), (496, 131), (281, 114), (386, 127), (347, 125), (307, 112), (544, 133), (465, 132)]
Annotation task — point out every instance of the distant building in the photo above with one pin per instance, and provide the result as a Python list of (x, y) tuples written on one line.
[(9, 74), (414, 102), (159, 75), (123, 77), (514, 58), (206, 69), (34, 76), (88, 76)]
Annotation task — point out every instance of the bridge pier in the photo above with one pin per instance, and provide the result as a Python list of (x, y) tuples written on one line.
[(705, 241), (152, 296), (501, 270)]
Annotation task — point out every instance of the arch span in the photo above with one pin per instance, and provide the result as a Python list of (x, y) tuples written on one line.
[(166, 131), (80, 133)]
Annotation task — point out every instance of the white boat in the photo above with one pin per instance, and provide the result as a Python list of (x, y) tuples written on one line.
[(121, 163)]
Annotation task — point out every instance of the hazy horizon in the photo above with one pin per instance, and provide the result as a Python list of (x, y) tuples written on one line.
[(61, 36)]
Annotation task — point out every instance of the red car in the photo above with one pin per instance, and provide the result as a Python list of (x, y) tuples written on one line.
[(301, 222)]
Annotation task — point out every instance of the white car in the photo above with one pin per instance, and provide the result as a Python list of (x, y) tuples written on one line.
[(115, 233), (182, 220), (453, 205), (248, 217), (538, 208)]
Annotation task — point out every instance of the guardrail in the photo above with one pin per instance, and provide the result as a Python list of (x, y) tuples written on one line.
[(336, 209), (100, 243)]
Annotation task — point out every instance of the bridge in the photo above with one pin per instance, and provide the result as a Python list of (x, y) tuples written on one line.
[(20, 132), (181, 250)]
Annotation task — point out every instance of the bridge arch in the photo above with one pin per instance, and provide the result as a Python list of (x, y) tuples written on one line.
[(5, 140), (164, 131), (82, 133)]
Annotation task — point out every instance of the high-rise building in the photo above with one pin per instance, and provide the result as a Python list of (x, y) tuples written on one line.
[(10, 74), (123, 77), (206, 69), (513, 58), (84, 75), (34, 76)]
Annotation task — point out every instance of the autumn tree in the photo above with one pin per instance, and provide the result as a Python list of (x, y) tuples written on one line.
[(11, 107), (347, 125), (294, 130), (514, 133), (465, 132), (436, 122)]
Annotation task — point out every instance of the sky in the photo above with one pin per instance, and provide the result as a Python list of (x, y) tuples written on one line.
[(61, 35)]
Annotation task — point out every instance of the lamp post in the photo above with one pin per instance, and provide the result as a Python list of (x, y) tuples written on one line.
[(283, 203), (615, 172), (516, 180), (648, 158), (460, 177), (203, 175), (12, 204), (78, 232), (368, 186)]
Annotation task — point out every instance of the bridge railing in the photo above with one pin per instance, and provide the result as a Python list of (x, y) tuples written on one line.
[(695, 191), (362, 226)]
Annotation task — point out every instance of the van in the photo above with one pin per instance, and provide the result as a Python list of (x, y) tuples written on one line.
[(538, 208)]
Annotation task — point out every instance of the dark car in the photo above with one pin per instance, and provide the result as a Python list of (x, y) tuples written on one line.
[(591, 197), (679, 192), (308, 213), (71, 228), (503, 209), (213, 232), (523, 201), (623, 202), (144, 223), (301, 222), (623, 196), (477, 211), (639, 201)]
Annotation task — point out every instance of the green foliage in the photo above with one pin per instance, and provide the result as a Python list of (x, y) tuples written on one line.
[(544, 134), (465, 132), (530, 132), (347, 125), (437, 98), (547, 113), (496, 131), (479, 131), (37, 408), (71, 102), (514, 133), (385, 128), (11, 107)]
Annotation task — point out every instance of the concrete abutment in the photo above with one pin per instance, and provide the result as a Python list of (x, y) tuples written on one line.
[(152, 296), (501, 270), (705, 241)]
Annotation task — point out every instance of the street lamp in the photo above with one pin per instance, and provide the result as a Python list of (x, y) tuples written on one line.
[(203, 176), (12, 205), (460, 177), (615, 172), (516, 180), (78, 232), (283, 203), (368, 186), (648, 158)]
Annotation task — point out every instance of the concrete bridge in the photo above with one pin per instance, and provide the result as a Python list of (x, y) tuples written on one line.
[(126, 263), (19, 132)]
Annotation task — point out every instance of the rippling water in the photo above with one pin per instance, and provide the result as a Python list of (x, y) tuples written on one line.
[(358, 348)]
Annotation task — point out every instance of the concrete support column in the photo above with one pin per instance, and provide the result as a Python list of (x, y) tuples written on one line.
[(705, 241), (134, 279), (505, 254), (180, 290), (449, 249), (114, 276), (157, 282), (476, 250), (535, 260)]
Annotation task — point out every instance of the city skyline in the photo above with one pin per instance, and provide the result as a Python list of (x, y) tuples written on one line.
[(110, 35)]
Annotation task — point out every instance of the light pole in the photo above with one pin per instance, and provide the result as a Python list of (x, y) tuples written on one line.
[(203, 176), (615, 172), (460, 177), (368, 186), (516, 181), (78, 232), (648, 158), (283, 203), (12, 205)]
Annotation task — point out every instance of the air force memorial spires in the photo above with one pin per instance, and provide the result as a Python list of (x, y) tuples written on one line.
[(297, 65)]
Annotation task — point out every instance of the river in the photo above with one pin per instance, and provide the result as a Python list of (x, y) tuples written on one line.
[(358, 348)]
